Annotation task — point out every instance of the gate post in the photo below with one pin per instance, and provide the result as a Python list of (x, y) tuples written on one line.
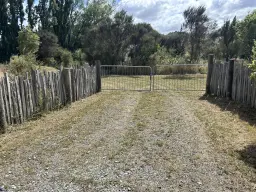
[(98, 76), (209, 73), (230, 77)]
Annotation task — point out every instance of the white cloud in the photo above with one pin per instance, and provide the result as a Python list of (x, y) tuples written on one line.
[(166, 15)]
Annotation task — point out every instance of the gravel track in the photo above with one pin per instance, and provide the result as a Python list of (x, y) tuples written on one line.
[(117, 141)]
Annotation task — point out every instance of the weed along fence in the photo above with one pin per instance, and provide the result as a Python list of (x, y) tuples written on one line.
[(23, 97), (232, 80)]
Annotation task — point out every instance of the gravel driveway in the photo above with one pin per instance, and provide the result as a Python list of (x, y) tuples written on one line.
[(118, 141)]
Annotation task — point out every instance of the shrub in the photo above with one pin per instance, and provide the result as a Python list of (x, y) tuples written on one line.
[(50, 61), (79, 57), (64, 57), (253, 65), (28, 42), (19, 65)]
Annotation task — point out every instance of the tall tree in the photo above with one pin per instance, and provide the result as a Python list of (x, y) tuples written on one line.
[(31, 12), (65, 14), (246, 32), (228, 33), (4, 45), (195, 23), (43, 10), (144, 42), (176, 41)]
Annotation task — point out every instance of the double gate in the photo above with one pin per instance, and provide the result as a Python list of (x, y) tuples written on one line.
[(180, 77)]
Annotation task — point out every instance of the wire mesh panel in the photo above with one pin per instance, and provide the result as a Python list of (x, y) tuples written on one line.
[(181, 77), (121, 77)]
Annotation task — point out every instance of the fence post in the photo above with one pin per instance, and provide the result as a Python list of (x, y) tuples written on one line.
[(230, 77), (67, 83), (209, 73), (98, 76), (3, 123)]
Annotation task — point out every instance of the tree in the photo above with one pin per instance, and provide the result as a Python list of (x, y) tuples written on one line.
[(28, 42), (94, 25), (65, 14), (31, 12), (228, 34), (106, 38), (246, 32), (5, 51), (144, 43), (195, 23), (176, 41), (11, 20), (44, 10), (48, 45)]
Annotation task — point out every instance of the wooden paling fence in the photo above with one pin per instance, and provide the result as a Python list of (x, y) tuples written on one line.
[(219, 80), (23, 97), (232, 79)]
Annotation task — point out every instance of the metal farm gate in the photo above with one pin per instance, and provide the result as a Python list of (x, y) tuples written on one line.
[(121, 77), (179, 77)]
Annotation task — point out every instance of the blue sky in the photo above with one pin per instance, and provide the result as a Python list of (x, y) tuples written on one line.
[(166, 15)]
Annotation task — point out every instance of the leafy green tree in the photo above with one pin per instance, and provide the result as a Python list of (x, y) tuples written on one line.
[(11, 20), (5, 47), (31, 12), (144, 43), (253, 65), (48, 45), (65, 14), (44, 11), (109, 40), (246, 32), (176, 41), (195, 23), (228, 33), (28, 42)]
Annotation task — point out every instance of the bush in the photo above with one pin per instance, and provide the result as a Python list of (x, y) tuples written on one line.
[(19, 65), (79, 57), (28, 42), (50, 61), (253, 65), (64, 57)]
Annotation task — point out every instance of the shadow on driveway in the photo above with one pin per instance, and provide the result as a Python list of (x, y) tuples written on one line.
[(244, 112)]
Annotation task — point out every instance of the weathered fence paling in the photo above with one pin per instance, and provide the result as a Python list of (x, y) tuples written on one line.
[(232, 80), (23, 97)]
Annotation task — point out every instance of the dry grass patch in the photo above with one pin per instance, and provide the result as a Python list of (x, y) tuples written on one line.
[(231, 127)]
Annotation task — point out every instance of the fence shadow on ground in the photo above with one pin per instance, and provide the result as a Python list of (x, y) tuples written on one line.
[(248, 155), (244, 112)]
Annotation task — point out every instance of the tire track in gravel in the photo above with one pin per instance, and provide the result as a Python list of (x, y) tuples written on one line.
[(124, 141), (72, 158)]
